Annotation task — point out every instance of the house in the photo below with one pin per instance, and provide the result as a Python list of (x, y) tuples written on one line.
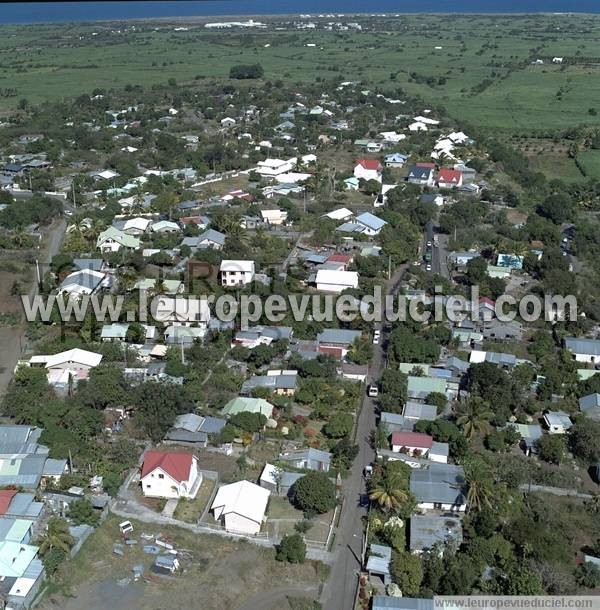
[(530, 434), (136, 226), (88, 282), (181, 311), (309, 459), (395, 160), (241, 507), (368, 169), (21, 573), (243, 404), (277, 480), (343, 214), (279, 382), (69, 366), (184, 335), (379, 562), (460, 259), (261, 335), (354, 372), (112, 240), (330, 280), (336, 341), (584, 350), (165, 226), (439, 487), (394, 422), (434, 198), (384, 602), (269, 168), (274, 217), (590, 406), (227, 122), (428, 530), (194, 430), (236, 272), (498, 272), (449, 178), (558, 422), (372, 225), (413, 443), (417, 411), (352, 184), (210, 239), (93, 264), (161, 286), (422, 176), (420, 387), (170, 474), (513, 262), (503, 331)]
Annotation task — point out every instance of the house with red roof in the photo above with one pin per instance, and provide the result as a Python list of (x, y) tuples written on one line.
[(170, 474), (368, 169), (411, 443), (449, 178)]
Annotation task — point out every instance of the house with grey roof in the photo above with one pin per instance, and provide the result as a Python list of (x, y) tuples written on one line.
[(337, 337), (590, 406), (385, 602), (439, 487), (530, 434), (394, 422), (429, 530), (379, 562), (281, 383), (503, 331), (83, 282), (416, 411), (195, 430), (262, 335), (372, 224), (91, 264), (584, 350), (277, 480), (309, 459), (558, 422)]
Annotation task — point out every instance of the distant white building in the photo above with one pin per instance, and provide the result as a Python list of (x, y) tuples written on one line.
[(269, 168), (329, 280), (236, 272)]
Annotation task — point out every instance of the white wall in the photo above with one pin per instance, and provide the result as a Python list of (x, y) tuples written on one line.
[(240, 524)]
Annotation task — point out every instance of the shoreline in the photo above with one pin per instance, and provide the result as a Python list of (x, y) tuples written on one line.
[(287, 16)]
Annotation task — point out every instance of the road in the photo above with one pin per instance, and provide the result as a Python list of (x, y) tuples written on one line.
[(340, 589), (555, 491), (13, 338)]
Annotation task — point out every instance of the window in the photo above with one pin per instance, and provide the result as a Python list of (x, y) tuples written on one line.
[(148, 486), (437, 505), (161, 476)]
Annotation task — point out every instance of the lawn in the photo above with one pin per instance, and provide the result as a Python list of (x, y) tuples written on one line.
[(190, 511), (282, 517), (222, 573), (590, 161), (482, 74)]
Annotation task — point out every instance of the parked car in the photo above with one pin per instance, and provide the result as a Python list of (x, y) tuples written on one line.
[(376, 337), (373, 391)]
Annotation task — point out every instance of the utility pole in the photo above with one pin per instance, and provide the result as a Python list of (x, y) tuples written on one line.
[(73, 189), (182, 352), (37, 269), (389, 267)]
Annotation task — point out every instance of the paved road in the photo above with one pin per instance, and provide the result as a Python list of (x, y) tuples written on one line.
[(340, 589), (13, 338)]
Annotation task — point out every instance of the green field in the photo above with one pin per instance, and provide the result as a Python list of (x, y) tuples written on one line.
[(590, 162), (482, 73)]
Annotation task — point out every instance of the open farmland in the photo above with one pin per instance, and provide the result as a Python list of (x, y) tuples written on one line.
[(478, 67)]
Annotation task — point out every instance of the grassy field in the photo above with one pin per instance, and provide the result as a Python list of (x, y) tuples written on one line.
[(220, 572), (482, 73), (590, 162)]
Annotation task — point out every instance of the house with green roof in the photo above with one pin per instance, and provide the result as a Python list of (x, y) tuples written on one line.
[(243, 404), (112, 240), (421, 387)]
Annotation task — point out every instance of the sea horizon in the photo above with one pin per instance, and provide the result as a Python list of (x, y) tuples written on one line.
[(14, 13)]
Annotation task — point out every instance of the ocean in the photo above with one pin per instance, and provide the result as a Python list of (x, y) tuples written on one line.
[(62, 12)]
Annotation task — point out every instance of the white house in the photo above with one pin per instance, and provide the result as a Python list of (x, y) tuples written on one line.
[(339, 214), (112, 240), (170, 474), (269, 168), (165, 226), (371, 224), (331, 280), (69, 366), (412, 443), (236, 273), (227, 122), (558, 422), (241, 507), (368, 169), (274, 217), (449, 178), (584, 350), (86, 281), (136, 226), (181, 311)]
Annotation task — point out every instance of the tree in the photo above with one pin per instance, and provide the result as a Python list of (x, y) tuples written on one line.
[(313, 493), (551, 448), (588, 575), (249, 422), (389, 494), (56, 536), (479, 485), (473, 417), (556, 208), (246, 71), (82, 511), (291, 549), (339, 425), (361, 351), (476, 270), (372, 187), (407, 572), (584, 439)]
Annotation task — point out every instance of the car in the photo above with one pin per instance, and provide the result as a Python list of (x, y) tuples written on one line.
[(373, 391), (429, 244), (428, 268), (376, 337)]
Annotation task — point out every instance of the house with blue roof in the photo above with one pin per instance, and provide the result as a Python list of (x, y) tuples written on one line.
[(371, 223), (395, 160)]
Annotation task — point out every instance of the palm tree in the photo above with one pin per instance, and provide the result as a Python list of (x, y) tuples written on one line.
[(474, 416), (479, 492), (56, 537), (388, 493)]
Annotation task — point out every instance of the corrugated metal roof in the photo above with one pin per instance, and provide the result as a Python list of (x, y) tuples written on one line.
[(427, 530), (589, 347), (443, 483)]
